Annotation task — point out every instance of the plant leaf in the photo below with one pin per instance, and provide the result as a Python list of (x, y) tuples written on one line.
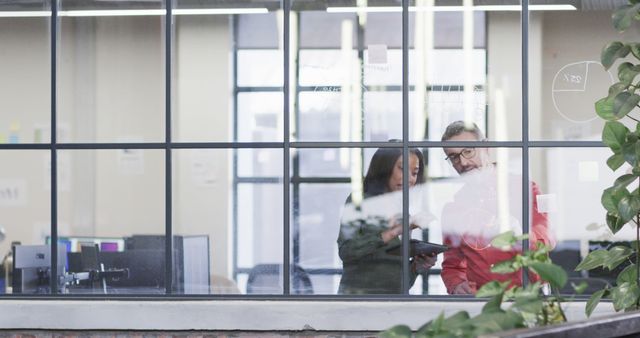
[(622, 17), (613, 51), (615, 161), (624, 296), (551, 273), (528, 303), (624, 103), (635, 49), (624, 180), (629, 153), (614, 223), (493, 305), (594, 300), (614, 135), (616, 256), (611, 197), (580, 288), (628, 275), (593, 260), (504, 241), (504, 267), (398, 331), (617, 88), (496, 321), (627, 72), (604, 108), (628, 207), (492, 288)]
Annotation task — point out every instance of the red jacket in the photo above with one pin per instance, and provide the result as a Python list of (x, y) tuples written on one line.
[(470, 258)]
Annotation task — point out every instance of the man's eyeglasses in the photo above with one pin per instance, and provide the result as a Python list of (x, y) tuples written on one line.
[(467, 153)]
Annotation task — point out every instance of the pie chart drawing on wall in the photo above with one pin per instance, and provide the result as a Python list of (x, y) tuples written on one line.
[(577, 86)]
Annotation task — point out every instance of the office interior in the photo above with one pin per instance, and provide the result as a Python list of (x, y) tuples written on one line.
[(227, 129)]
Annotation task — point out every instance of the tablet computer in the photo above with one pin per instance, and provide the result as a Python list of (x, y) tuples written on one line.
[(417, 247)]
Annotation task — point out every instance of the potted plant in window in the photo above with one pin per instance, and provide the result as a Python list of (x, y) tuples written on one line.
[(529, 307), (622, 199)]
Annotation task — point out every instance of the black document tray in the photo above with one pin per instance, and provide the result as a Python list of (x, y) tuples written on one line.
[(417, 247)]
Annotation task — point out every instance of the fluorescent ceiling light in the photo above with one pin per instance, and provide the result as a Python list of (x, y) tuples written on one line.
[(382, 9), (24, 14), (214, 11), (134, 12), (115, 12)]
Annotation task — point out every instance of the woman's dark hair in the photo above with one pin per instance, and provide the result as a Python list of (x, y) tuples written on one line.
[(381, 168)]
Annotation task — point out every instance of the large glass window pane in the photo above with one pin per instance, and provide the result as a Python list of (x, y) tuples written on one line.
[(223, 49), (25, 65), (572, 181), (259, 238), (469, 210), (337, 227), (25, 220), (567, 81), (111, 71), (227, 228), (345, 55), (471, 56), (111, 217)]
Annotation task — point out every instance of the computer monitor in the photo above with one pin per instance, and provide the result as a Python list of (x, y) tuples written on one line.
[(75, 243), (32, 267)]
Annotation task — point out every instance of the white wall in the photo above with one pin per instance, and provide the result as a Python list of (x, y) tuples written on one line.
[(24, 103), (202, 105), (112, 89)]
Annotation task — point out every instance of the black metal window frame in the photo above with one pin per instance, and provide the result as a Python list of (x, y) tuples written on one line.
[(286, 146)]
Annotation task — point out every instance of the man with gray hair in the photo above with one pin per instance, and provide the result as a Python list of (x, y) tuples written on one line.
[(467, 265)]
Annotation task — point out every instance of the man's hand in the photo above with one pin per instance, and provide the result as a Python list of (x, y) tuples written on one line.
[(464, 289), (422, 263)]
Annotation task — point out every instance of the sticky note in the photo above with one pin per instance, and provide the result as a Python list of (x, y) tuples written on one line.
[(588, 171), (377, 54), (546, 203)]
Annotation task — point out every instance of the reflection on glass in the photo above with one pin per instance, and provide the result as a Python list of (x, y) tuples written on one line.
[(111, 217), (259, 238), (457, 56), (486, 203), (25, 223), (367, 218), (573, 180), (25, 84), (343, 57)]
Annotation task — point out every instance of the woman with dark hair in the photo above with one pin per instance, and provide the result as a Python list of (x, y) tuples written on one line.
[(364, 244)]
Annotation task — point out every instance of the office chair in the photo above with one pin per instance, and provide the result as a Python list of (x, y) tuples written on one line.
[(267, 279)]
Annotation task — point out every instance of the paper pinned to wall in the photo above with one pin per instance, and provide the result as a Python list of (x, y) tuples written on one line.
[(13, 192), (203, 164), (588, 171), (130, 162), (377, 54), (546, 203)]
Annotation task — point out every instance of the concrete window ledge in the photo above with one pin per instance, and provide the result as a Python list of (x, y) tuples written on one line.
[(236, 315)]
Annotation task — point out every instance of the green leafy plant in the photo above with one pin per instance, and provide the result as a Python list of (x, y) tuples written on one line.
[(527, 306), (622, 200)]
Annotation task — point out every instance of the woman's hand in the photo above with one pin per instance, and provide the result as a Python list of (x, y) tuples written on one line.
[(395, 228)]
